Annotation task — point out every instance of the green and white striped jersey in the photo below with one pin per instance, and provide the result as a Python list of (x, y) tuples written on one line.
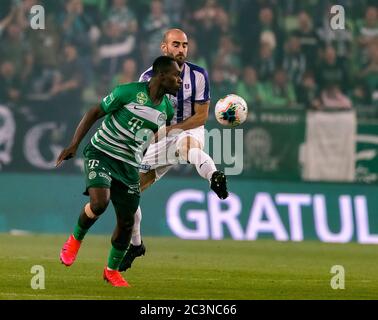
[(131, 119)]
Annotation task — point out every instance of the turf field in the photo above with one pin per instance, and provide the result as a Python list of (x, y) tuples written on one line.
[(177, 269)]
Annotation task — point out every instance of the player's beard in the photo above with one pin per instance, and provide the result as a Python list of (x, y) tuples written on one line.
[(179, 58)]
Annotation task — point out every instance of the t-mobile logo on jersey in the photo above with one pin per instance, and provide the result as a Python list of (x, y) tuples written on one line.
[(135, 124), (93, 163)]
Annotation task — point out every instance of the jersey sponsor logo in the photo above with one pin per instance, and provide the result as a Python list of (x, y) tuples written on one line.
[(146, 167), (134, 188), (108, 99), (93, 163), (141, 97), (92, 175), (104, 175), (135, 124)]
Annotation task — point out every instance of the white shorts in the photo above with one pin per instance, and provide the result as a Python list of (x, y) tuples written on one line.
[(161, 156)]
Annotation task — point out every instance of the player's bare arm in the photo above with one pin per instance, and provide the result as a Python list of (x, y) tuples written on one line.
[(199, 118), (90, 117)]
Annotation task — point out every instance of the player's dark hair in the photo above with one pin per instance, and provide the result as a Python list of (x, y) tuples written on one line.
[(161, 65)]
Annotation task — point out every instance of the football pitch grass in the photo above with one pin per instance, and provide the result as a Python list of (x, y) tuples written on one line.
[(177, 269)]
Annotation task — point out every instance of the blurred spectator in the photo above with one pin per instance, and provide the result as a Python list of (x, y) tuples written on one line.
[(308, 38), (76, 24), (45, 45), (219, 85), (122, 15), (248, 25), (223, 20), (250, 88), (96, 10), (154, 27), (78, 29), (174, 9), (9, 92), (4, 22), (331, 71), (265, 62), (341, 40), (114, 47), (369, 75), (227, 58), (367, 31), (194, 55), (70, 76), (23, 8), (68, 83), (208, 12), (333, 97), (128, 73), (280, 92), (267, 31), (308, 92), (210, 22), (36, 81), (294, 61), (14, 46)]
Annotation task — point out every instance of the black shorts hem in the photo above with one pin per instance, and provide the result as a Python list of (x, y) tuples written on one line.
[(86, 193)]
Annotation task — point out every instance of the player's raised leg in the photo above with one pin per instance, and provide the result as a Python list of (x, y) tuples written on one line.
[(99, 200)]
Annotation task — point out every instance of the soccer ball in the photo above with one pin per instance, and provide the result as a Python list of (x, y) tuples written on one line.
[(231, 111)]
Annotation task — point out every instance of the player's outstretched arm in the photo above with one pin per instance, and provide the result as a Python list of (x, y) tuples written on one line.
[(90, 117)]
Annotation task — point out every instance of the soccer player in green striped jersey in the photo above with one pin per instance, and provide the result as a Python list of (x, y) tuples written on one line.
[(133, 113)]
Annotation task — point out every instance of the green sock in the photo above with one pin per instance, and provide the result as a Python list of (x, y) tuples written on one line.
[(79, 232), (115, 258)]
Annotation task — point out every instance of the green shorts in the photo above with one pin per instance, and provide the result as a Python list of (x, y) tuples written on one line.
[(103, 171)]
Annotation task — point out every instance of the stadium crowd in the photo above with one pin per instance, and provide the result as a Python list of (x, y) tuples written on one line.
[(272, 52)]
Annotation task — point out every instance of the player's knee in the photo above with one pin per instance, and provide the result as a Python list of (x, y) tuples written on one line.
[(183, 149), (185, 145), (98, 206)]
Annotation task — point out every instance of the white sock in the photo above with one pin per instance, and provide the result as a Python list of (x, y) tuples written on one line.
[(136, 238), (204, 164)]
